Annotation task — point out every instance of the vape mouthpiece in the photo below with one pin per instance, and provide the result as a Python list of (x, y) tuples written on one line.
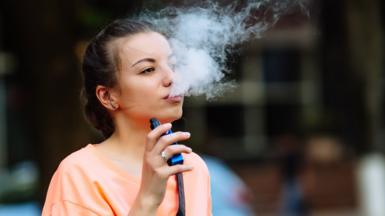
[(154, 123)]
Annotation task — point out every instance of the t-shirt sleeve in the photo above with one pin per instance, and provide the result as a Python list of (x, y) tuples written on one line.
[(209, 201), (73, 192), (197, 186)]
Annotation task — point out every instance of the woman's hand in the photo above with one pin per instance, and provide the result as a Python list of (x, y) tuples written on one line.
[(156, 171)]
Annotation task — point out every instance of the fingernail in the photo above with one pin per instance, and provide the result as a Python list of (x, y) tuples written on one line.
[(187, 134)]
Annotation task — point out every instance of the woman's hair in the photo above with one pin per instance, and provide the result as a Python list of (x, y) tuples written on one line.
[(99, 67)]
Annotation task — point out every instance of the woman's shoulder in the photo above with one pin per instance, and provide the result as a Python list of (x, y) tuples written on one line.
[(196, 161), (78, 159)]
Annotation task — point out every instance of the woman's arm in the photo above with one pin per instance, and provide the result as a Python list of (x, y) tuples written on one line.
[(141, 207)]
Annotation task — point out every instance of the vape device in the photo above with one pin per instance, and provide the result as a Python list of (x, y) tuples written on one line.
[(175, 159)]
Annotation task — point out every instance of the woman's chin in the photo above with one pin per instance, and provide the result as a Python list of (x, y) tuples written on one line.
[(169, 117)]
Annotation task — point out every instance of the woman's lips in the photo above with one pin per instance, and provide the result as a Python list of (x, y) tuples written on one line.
[(174, 99)]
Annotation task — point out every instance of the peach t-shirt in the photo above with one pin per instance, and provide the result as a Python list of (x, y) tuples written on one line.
[(87, 183)]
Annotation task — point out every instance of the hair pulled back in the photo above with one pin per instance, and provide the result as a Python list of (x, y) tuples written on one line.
[(99, 68)]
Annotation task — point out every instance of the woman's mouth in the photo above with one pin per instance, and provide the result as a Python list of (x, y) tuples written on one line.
[(174, 98)]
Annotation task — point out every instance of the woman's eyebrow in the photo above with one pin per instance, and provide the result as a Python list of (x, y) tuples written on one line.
[(144, 60)]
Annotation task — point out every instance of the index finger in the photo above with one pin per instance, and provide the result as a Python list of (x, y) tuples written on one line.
[(155, 134)]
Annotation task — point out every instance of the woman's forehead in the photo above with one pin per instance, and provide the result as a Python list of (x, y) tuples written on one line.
[(144, 45)]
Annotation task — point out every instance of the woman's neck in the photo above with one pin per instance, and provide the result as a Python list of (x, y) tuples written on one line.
[(129, 137)]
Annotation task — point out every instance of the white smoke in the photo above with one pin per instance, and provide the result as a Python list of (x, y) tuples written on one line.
[(202, 37)]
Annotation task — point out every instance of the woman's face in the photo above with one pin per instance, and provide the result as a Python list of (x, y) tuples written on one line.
[(145, 77)]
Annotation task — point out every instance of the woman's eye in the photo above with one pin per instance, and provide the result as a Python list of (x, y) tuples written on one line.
[(148, 70)]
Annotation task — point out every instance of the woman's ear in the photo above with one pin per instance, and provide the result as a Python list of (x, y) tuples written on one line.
[(106, 98)]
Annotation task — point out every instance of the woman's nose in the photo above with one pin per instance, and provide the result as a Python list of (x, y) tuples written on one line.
[(168, 76)]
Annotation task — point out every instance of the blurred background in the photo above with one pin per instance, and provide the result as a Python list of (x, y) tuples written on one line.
[(302, 134)]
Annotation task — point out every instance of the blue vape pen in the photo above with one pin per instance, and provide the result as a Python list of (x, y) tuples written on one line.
[(175, 159)]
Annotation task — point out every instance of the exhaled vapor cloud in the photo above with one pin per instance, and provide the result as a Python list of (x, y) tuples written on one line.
[(202, 37)]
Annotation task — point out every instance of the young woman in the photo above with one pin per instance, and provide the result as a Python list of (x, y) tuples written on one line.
[(128, 76)]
